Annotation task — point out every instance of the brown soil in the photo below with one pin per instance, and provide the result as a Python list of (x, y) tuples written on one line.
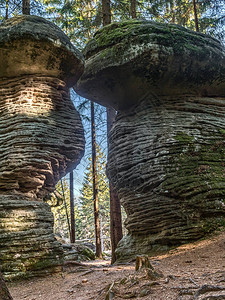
[(193, 271)]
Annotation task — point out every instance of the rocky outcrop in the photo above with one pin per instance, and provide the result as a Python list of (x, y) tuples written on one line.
[(166, 154), (125, 61), (41, 139), (167, 162)]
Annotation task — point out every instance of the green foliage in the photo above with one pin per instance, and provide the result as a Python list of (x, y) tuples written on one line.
[(11, 8), (59, 211), (210, 225), (210, 13), (81, 19), (84, 207), (86, 203)]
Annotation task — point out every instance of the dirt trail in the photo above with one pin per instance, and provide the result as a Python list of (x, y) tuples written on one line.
[(193, 271)]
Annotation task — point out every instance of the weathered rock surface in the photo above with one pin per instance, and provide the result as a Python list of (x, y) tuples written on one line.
[(41, 134), (41, 139), (33, 45), (125, 61), (167, 163), (166, 154), (28, 246)]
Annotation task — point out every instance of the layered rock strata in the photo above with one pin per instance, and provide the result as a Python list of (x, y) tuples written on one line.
[(166, 154), (41, 139)]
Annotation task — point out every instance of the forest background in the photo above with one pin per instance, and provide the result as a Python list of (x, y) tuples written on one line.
[(80, 20)]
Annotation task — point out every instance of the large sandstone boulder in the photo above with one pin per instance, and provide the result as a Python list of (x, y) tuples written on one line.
[(41, 138), (126, 61), (166, 154)]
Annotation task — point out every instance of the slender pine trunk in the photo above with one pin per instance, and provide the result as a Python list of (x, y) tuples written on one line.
[(172, 12), (106, 12), (95, 185), (7, 10), (72, 215), (133, 9), (4, 292), (115, 222), (67, 214), (196, 15), (115, 207), (26, 7)]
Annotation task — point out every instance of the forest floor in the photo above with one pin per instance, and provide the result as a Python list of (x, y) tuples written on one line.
[(192, 271)]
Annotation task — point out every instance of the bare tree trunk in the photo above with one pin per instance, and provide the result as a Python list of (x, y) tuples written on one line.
[(101, 234), (115, 222), (7, 10), (115, 208), (4, 292), (196, 15), (72, 216), (133, 9), (26, 7), (67, 215), (172, 12), (106, 12), (95, 185)]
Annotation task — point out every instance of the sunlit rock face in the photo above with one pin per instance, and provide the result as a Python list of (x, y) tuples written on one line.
[(41, 139), (166, 154)]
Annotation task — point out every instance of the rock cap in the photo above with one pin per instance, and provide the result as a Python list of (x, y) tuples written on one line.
[(124, 61), (33, 45)]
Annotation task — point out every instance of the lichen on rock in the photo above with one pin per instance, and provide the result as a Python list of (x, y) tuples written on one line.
[(124, 61), (41, 139)]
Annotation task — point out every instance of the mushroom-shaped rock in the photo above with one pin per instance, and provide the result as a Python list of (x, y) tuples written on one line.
[(41, 138), (166, 153), (125, 61), (31, 45)]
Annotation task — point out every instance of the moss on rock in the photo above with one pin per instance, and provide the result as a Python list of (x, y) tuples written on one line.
[(127, 60)]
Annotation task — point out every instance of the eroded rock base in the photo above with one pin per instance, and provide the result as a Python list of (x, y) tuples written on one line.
[(41, 139), (27, 243), (167, 163)]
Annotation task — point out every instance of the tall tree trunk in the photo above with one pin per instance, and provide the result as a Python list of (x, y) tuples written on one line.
[(116, 233), (196, 15), (4, 292), (7, 10), (95, 185), (115, 207), (106, 12), (72, 216), (26, 7), (133, 9), (67, 215), (172, 11), (115, 221)]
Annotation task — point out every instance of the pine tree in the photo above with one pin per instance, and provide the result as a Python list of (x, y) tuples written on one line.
[(72, 214), (133, 9), (61, 210), (26, 7), (95, 185), (86, 204), (196, 15), (205, 16)]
